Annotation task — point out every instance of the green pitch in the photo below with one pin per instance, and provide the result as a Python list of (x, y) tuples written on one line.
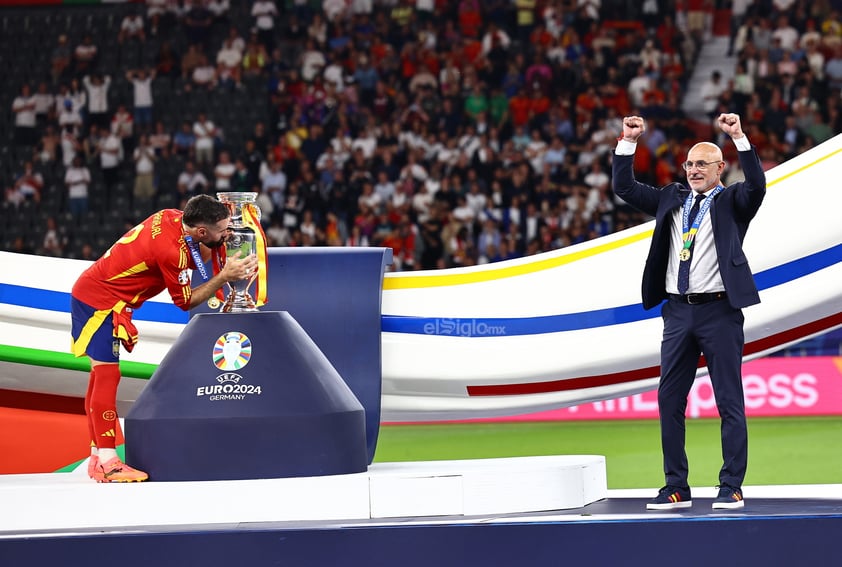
[(803, 450)]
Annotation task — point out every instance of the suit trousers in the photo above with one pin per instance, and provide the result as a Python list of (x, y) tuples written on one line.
[(714, 329)]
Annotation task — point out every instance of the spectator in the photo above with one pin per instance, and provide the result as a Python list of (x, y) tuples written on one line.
[(54, 242), (29, 183), (184, 141), (26, 133), (161, 14), (219, 10), (197, 23), (110, 156), (267, 212), (97, 88), (76, 179), (167, 62), (161, 140), (366, 77), (274, 184), (833, 69), (60, 59), (223, 172), (254, 59), (131, 27), (86, 252), (79, 97), (240, 181), (237, 42), (203, 75), (85, 56), (141, 81), (292, 208), (710, 93), (205, 132), (190, 60), (90, 145), (786, 34), (69, 109), (122, 124), (228, 63), (44, 105), (191, 182), (48, 148), (144, 180), (253, 160), (264, 13), (312, 61)]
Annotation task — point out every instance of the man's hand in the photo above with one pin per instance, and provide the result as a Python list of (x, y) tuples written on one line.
[(237, 268), (633, 128), (730, 124)]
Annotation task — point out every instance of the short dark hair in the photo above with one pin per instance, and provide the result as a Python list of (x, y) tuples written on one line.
[(204, 209)]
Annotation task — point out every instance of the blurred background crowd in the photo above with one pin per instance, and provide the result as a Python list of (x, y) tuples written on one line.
[(456, 133)]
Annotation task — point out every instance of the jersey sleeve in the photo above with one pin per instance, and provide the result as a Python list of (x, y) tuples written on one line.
[(175, 270)]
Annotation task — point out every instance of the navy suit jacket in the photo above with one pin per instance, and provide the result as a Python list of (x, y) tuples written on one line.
[(731, 212)]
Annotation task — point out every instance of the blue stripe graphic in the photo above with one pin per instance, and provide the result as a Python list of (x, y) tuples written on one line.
[(514, 326), (60, 301), (475, 327)]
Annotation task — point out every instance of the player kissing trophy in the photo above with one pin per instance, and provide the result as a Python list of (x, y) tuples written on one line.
[(246, 237)]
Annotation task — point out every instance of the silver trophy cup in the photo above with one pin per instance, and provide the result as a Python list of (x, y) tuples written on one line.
[(242, 238)]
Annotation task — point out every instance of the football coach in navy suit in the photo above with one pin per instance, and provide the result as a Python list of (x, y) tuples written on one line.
[(696, 263)]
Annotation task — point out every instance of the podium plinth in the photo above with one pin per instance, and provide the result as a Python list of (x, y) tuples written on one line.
[(245, 396)]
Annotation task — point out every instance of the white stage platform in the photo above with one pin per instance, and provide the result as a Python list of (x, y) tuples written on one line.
[(71, 501)]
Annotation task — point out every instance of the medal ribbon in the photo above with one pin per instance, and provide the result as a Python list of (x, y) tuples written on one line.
[(197, 258), (217, 260), (251, 218), (689, 232)]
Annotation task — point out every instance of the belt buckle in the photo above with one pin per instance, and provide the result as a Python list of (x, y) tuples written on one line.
[(691, 296)]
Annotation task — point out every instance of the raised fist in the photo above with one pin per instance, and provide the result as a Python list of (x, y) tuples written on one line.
[(730, 124), (633, 128)]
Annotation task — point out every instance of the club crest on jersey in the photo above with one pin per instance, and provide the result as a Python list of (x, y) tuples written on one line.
[(231, 351)]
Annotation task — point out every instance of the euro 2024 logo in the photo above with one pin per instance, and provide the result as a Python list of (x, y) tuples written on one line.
[(232, 351)]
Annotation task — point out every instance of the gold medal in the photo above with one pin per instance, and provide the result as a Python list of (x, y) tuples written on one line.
[(213, 303), (684, 255)]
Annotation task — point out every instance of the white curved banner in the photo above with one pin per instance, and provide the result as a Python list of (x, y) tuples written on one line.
[(536, 333)]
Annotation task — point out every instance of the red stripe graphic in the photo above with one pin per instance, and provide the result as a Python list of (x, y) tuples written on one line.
[(585, 382)]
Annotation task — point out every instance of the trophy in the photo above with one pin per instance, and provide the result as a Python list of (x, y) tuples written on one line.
[(246, 237)]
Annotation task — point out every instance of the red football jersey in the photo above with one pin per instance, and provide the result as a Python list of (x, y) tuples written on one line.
[(148, 259)]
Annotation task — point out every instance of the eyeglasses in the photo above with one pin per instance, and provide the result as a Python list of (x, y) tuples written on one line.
[(698, 164)]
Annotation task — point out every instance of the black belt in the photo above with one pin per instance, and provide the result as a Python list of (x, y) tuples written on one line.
[(696, 298)]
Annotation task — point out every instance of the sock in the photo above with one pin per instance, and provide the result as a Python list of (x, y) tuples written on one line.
[(106, 454), (104, 406), (91, 433)]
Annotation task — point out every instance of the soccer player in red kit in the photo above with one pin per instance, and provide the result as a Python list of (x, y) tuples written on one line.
[(155, 255)]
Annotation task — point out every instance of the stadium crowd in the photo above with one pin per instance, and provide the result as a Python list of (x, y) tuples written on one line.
[(455, 133)]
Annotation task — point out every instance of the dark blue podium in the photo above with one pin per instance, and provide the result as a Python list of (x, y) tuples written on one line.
[(202, 417), (245, 396)]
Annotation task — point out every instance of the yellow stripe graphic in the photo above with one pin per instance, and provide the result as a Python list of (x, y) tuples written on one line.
[(508, 272)]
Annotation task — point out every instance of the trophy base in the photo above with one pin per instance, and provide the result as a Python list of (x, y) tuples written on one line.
[(235, 303)]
